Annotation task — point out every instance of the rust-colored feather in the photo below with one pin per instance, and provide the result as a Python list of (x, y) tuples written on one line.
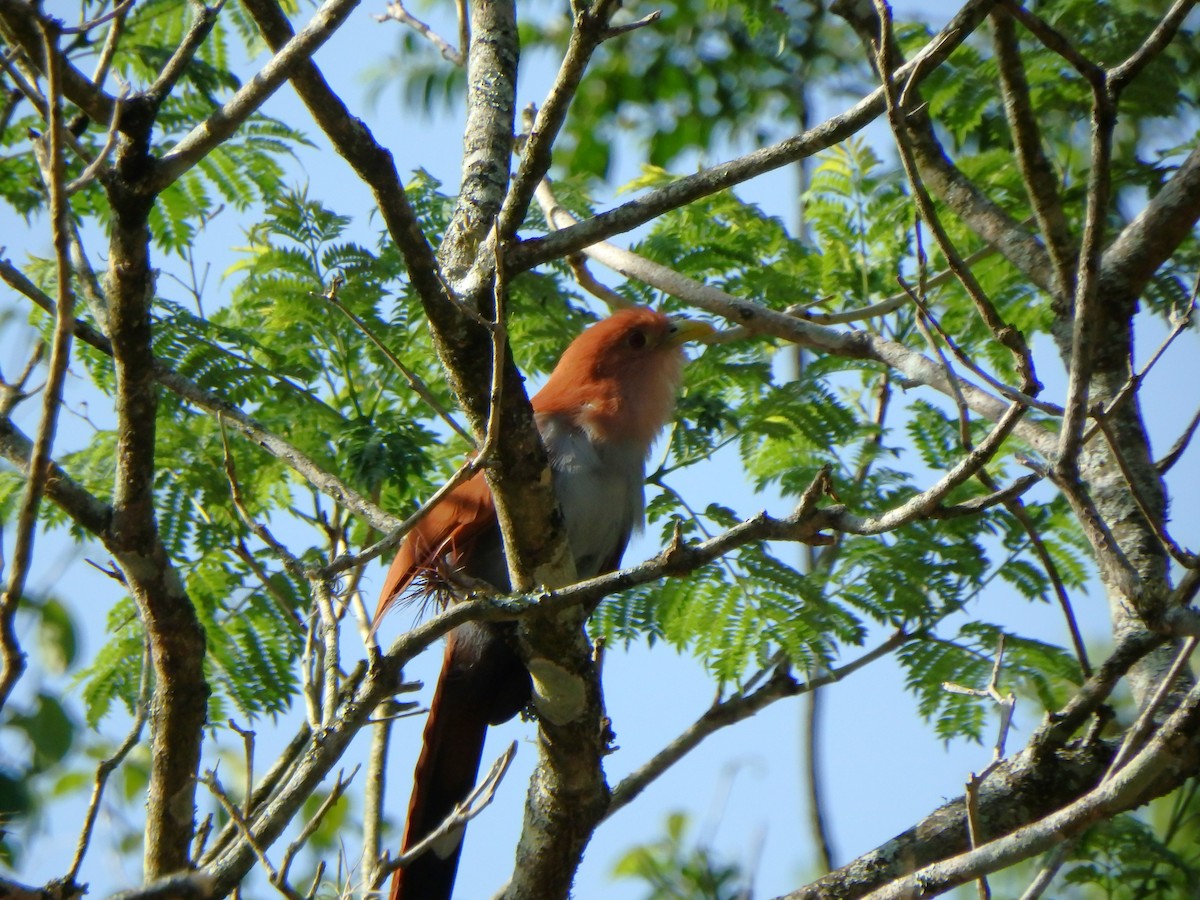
[(450, 528), (603, 406), (617, 381), (619, 378)]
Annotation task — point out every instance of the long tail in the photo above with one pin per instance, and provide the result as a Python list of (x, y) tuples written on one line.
[(482, 683)]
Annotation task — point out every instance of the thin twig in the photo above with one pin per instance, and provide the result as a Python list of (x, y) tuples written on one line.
[(1185, 558), (98, 164), (111, 41), (247, 736), (213, 131), (13, 658), (998, 496), (203, 832), (330, 643), (1087, 282), (1169, 682), (960, 403), (12, 395), (109, 765), (210, 780), (318, 877), (27, 86), (414, 380), (619, 30), (885, 306), (1006, 335), (1018, 511), (1181, 322), (1164, 32), (335, 794), (1055, 41), (1041, 183), (588, 281), (974, 834), (464, 25), (1006, 703), (119, 10), (282, 601), (1181, 444), (374, 788), (203, 20), (475, 803), (1007, 391), (294, 565), (93, 293), (311, 676), (589, 27), (498, 328), (814, 787), (397, 13)]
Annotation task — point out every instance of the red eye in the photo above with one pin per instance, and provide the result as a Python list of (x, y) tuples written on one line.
[(636, 340)]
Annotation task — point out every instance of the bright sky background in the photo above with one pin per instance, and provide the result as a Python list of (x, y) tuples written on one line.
[(883, 767)]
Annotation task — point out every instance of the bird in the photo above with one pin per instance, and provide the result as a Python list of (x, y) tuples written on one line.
[(605, 403)]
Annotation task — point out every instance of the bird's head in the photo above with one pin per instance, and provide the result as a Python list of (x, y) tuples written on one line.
[(618, 380)]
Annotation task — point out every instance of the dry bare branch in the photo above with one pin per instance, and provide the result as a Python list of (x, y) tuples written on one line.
[(397, 13), (475, 803), (210, 133)]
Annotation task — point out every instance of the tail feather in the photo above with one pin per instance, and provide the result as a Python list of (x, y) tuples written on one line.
[(482, 682)]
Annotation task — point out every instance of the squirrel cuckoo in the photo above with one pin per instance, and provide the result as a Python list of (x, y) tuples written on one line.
[(599, 413)]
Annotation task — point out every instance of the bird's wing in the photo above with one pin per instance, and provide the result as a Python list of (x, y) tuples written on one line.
[(450, 528)]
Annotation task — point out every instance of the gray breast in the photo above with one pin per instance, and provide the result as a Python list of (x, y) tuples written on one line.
[(600, 489)]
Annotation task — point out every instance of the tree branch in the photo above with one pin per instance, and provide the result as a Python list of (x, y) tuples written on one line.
[(21, 25), (1163, 763), (1154, 235), (1087, 278), (1003, 333), (217, 128), (1164, 32), (355, 143), (1041, 184), (1048, 774), (945, 180), (589, 30), (13, 658), (202, 24), (177, 639), (765, 320), (628, 216)]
